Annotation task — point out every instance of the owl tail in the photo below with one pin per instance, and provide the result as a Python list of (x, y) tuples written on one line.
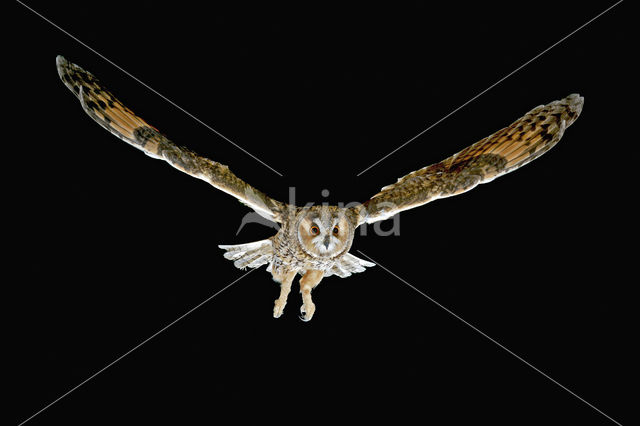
[(249, 255), (347, 265)]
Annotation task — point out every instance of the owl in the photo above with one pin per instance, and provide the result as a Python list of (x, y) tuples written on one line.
[(314, 241)]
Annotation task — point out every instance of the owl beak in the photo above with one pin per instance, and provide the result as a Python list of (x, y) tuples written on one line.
[(326, 241)]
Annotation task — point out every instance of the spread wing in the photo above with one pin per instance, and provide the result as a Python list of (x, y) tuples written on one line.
[(111, 114), (502, 152)]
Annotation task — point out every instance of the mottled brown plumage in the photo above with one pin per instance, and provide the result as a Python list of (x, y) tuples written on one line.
[(111, 114), (502, 152), (315, 241)]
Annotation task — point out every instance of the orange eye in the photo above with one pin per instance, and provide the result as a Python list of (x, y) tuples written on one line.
[(315, 230), (336, 229)]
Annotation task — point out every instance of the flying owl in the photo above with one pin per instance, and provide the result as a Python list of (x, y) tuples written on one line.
[(315, 241)]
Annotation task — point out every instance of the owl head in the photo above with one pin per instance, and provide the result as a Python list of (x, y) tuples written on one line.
[(324, 231)]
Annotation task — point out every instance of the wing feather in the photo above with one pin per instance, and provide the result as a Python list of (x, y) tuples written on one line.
[(502, 152), (114, 116)]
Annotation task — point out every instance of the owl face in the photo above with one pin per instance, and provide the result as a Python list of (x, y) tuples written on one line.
[(324, 231)]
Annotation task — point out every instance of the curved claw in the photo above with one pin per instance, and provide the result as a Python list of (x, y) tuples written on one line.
[(278, 308), (304, 318), (307, 311)]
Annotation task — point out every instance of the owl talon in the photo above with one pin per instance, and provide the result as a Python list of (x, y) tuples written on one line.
[(278, 308), (307, 310)]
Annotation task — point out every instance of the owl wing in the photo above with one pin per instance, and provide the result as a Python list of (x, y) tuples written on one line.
[(111, 114), (502, 152)]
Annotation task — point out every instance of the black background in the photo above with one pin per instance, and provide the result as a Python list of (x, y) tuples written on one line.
[(112, 246)]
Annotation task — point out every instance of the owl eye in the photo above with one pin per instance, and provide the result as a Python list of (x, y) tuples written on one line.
[(314, 230), (336, 229)]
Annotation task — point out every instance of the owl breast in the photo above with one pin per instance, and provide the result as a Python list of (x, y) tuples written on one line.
[(288, 256), (312, 238)]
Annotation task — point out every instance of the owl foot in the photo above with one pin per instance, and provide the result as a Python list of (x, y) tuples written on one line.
[(309, 280), (278, 307), (307, 310)]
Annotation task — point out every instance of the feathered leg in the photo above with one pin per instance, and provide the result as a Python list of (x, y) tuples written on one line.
[(285, 281)]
